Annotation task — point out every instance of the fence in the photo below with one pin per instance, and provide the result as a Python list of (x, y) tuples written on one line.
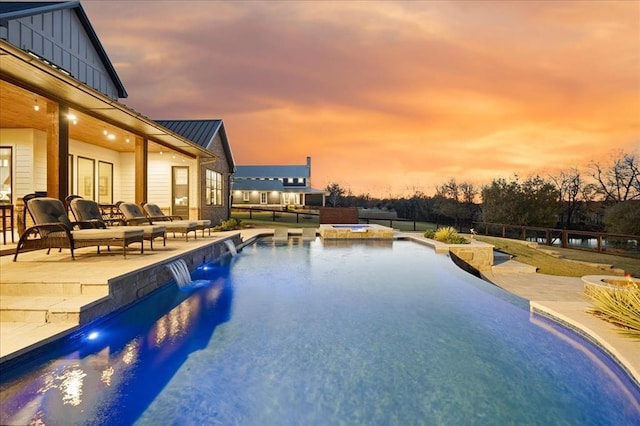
[(587, 240), (308, 217)]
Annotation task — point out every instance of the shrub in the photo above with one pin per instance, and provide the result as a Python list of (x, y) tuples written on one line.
[(620, 307), (446, 235), (228, 225)]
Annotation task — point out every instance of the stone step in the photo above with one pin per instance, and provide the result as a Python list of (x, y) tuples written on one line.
[(53, 289), (48, 309), (21, 337), (513, 266)]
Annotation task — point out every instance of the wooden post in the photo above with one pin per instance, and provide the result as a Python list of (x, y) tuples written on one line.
[(141, 164), (57, 151)]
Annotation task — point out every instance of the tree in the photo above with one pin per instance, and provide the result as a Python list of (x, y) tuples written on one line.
[(533, 202), (618, 181), (623, 218), (455, 201), (572, 192), (336, 194)]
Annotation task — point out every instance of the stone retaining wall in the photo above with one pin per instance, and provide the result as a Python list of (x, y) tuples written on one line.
[(129, 288)]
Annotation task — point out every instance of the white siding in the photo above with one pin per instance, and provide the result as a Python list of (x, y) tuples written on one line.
[(159, 180), (124, 185), (21, 140), (96, 153)]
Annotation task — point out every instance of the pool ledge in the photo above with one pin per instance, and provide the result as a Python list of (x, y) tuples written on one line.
[(573, 315)]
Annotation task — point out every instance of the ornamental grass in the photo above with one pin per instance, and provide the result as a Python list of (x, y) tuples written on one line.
[(619, 306)]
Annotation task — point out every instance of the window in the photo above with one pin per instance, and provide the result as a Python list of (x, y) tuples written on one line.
[(263, 198), (105, 182), (245, 196), (213, 188), (86, 177)]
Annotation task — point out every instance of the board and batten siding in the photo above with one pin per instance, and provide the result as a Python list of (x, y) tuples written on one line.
[(59, 37)]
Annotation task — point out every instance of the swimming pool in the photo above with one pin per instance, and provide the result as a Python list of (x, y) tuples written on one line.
[(305, 333)]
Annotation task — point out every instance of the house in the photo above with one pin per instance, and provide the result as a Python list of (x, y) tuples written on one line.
[(275, 186), (64, 130)]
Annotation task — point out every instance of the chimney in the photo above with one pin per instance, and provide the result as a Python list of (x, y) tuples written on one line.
[(309, 171)]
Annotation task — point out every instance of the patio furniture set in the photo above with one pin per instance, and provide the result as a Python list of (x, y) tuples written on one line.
[(53, 228)]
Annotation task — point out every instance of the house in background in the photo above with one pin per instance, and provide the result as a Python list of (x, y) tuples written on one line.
[(275, 187), (64, 131)]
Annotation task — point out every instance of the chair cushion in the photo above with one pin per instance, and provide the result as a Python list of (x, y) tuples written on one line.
[(86, 210), (118, 232), (131, 211), (150, 230), (178, 223), (153, 210), (48, 210)]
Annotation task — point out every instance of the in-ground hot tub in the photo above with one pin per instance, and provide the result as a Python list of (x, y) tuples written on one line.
[(355, 232)]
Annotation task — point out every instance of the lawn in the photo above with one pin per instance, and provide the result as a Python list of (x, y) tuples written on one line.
[(566, 262)]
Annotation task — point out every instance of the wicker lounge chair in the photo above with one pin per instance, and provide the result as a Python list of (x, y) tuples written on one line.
[(89, 211), (53, 229), (154, 212), (134, 216)]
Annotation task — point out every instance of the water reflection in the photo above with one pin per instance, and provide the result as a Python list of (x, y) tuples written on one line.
[(136, 353)]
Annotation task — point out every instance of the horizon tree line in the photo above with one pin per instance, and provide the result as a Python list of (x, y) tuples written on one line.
[(603, 196)]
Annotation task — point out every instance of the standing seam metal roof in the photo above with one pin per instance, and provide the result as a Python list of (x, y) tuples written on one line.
[(201, 132), (271, 171)]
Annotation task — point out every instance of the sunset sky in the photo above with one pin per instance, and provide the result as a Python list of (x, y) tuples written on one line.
[(389, 98)]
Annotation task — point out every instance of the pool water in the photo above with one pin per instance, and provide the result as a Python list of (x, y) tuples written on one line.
[(302, 333)]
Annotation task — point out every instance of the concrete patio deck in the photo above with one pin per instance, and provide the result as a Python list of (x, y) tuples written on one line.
[(560, 298)]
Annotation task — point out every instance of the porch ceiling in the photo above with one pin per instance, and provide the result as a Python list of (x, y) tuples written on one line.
[(25, 80)]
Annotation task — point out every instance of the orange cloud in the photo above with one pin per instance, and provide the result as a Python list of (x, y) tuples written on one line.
[(389, 97)]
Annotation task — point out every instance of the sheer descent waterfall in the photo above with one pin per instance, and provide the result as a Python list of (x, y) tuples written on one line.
[(231, 247), (180, 272)]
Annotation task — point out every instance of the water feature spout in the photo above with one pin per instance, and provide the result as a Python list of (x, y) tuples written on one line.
[(231, 247), (182, 275), (180, 272)]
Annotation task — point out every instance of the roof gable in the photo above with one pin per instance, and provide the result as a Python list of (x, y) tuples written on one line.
[(202, 133), (38, 39)]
